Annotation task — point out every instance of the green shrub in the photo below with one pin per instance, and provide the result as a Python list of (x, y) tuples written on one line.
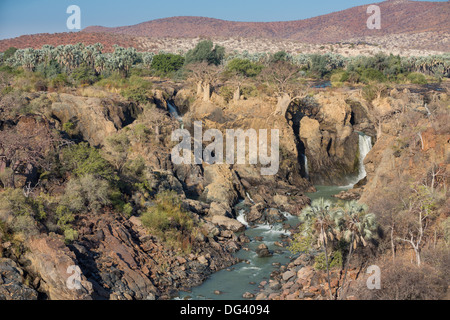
[(167, 63), (9, 53), (249, 92), (168, 220), (227, 93), (59, 81), (81, 159), (70, 235), (417, 78), (369, 93), (279, 56), (87, 193), (69, 127), (20, 213), (335, 261), (49, 70), (205, 51), (84, 75), (64, 217), (244, 67), (370, 74), (339, 76)]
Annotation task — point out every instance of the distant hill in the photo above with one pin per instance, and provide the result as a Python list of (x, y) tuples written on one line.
[(397, 17), (411, 19)]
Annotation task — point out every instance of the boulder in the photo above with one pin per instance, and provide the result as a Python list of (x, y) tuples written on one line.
[(227, 223), (220, 209), (255, 213), (263, 251), (248, 295), (288, 275)]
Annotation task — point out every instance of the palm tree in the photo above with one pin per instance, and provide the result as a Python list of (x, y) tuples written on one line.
[(356, 226), (322, 221)]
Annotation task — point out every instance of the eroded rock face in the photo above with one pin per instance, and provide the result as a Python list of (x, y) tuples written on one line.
[(94, 118), (50, 260), (328, 138), (12, 282)]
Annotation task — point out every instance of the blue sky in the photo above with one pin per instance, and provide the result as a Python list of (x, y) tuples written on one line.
[(19, 17)]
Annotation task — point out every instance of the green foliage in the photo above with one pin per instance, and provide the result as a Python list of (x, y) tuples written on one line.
[(227, 92), (339, 76), (122, 59), (87, 193), (318, 65), (369, 75), (61, 80), (84, 75), (369, 93), (128, 210), (64, 217), (335, 260), (116, 149), (138, 90), (49, 70), (69, 127), (168, 219), (249, 92), (9, 53), (205, 51), (20, 213), (167, 63), (417, 78), (70, 235), (81, 159), (244, 67), (279, 56), (303, 241), (141, 132)]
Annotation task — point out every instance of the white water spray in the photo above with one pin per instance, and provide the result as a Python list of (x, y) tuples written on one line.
[(306, 166), (365, 145), (242, 218), (174, 112)]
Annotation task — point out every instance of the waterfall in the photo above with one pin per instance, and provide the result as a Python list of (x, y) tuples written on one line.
[(241, 218), (365, 145), (174, 112), (306, 166)]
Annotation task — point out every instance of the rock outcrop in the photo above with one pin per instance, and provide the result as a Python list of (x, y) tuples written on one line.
[(12, 282), (52, 261), (94, 118)]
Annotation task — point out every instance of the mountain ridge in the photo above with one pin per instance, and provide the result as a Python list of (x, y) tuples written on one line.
[(397, 17), (412, 21)]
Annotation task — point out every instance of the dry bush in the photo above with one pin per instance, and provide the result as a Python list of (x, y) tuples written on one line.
[(403, 280)]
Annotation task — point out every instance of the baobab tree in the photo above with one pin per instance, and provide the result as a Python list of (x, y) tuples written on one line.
[(205, 76), (284, 76)]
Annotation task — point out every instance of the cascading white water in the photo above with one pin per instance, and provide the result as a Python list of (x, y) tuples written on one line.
[(365, 145), (306, 166), (242, 218), (174, 112)]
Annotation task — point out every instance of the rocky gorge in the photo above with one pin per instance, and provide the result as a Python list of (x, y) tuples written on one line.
[(120, 259)]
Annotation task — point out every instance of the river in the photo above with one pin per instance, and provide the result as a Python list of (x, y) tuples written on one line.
[(246, 276)]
